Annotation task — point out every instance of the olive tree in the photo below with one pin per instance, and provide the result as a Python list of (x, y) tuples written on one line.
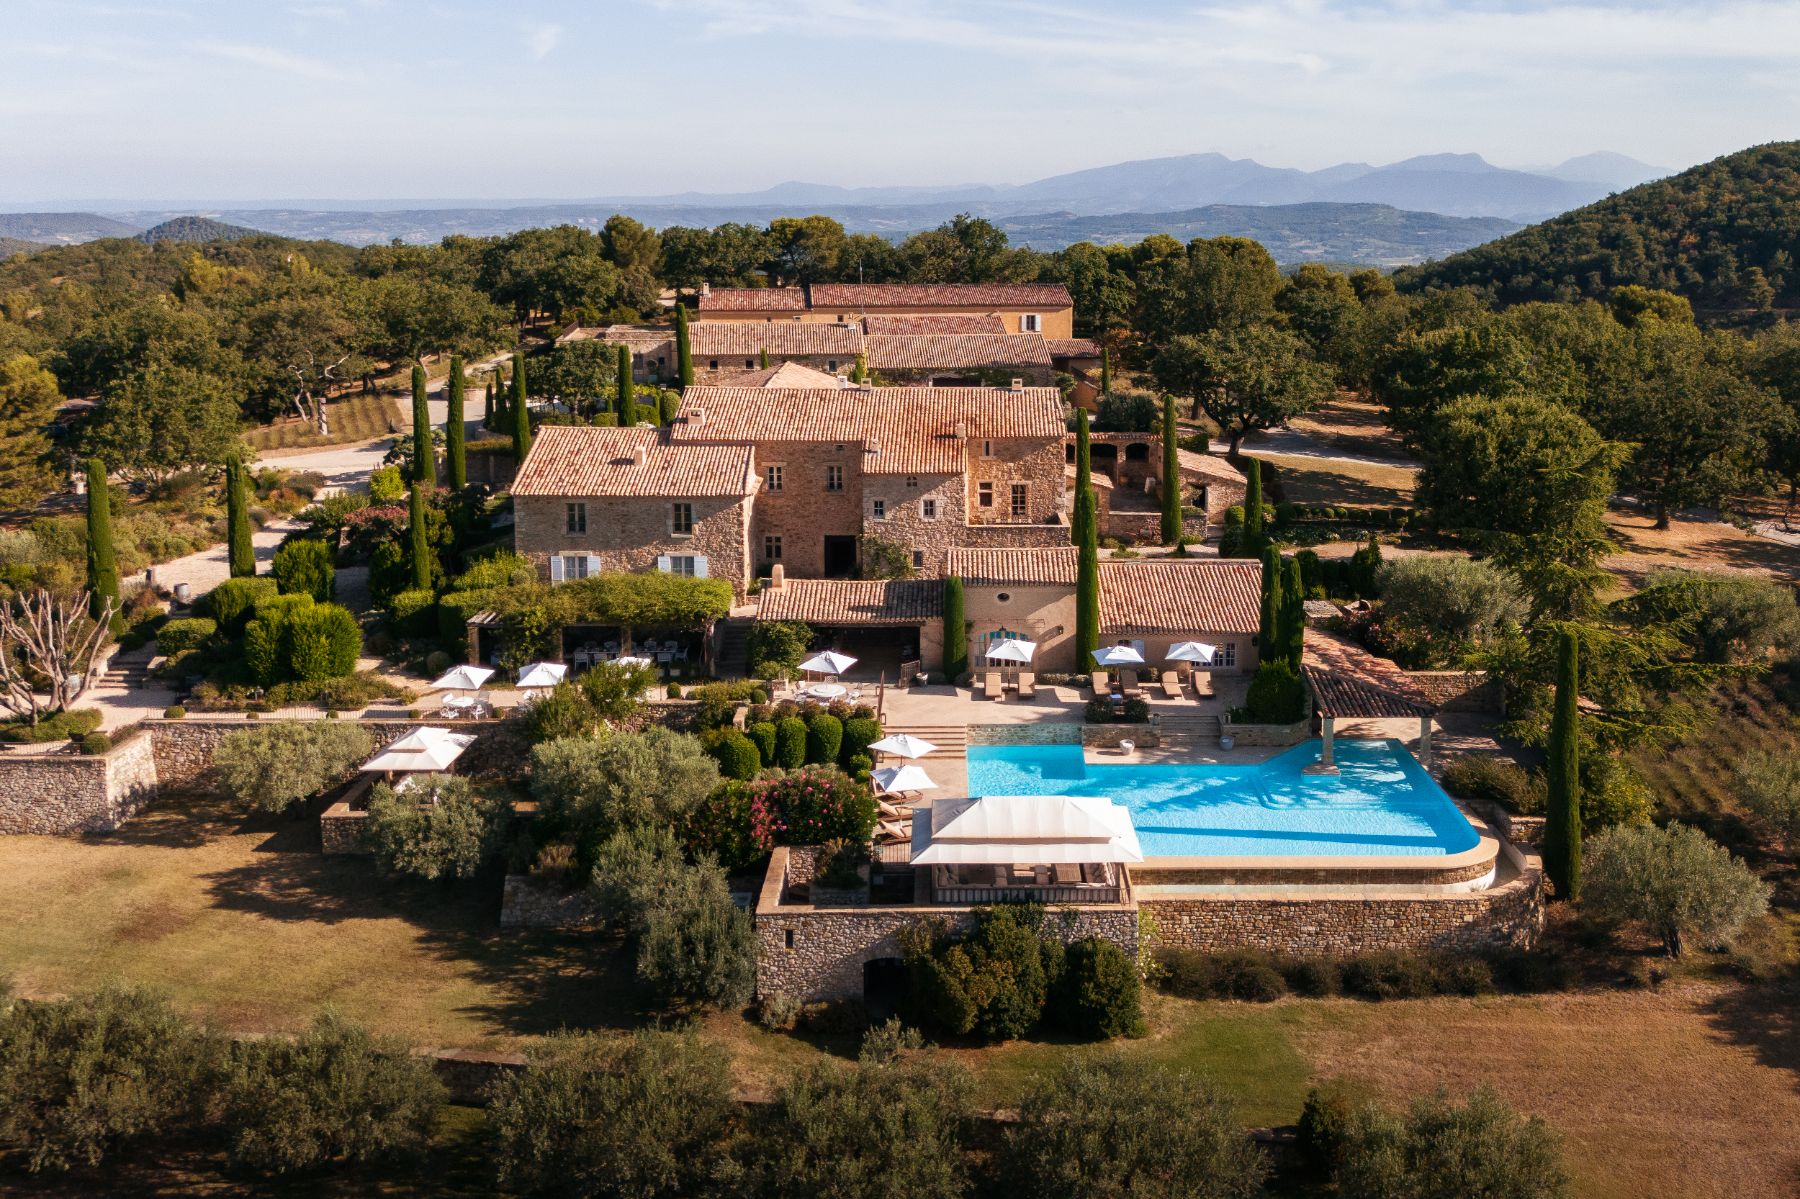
[(437, 826), (1442, 1150), (1676, 881), (1112, 1128), (1453, 600), (592, 787), (273, 766), (1769, 785)]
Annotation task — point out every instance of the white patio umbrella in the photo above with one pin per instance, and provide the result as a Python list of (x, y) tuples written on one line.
[(463, 678), (1118, 655), (1011, 649), (828, 662), (542, 674), (424, 750), (904, 745), (632, 660), (1190, 651), (903, 778)]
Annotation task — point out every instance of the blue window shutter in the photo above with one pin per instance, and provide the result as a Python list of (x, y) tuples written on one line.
[(662, 562), (699, 567), (556, 568)]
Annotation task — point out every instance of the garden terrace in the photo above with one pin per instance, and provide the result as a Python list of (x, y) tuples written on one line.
[(883, 623)]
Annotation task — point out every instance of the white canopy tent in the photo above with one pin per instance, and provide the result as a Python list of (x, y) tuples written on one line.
[(1038, 829), (1191, 651), (903, 745), (542, 674), (463, 678), (903, 778), (428, 750), (827, 662), (1011, 649), (1118, 655)]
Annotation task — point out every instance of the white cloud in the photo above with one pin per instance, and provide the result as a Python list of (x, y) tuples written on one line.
[(541, 39), (270, 59)]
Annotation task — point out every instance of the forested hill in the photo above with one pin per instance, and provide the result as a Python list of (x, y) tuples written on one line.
[(1724, 234), (195, 229)]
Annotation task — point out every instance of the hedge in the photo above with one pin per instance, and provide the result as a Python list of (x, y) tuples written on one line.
[(762, 735), (824, 738), (737, 755), (233, 601), (413, 612), (178, 636), (790, 743), (859, 731)]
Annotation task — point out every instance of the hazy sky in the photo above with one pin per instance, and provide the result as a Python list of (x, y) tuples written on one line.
[(236, 100)]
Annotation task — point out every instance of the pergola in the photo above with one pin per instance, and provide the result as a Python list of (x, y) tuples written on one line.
[(1026, 848), (1350, 683)]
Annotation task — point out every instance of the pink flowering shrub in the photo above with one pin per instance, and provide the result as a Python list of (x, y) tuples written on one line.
[(810, 807)]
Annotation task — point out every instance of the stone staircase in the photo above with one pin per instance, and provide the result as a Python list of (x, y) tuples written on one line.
[(952, 740), (1189, 730), (128, 674), (734, 648)]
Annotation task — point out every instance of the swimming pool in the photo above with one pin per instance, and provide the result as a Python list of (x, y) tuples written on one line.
[(1381, 804)]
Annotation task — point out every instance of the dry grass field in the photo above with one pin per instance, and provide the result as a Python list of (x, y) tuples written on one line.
[(356, 419), (244, 923), (1336, 481)]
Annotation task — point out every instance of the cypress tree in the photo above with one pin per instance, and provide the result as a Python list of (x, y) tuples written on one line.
[(521, 412), (625, 390), (487, 405), (453, 427), (240, 551), (416, 530), (956, 630), (1293, 614), (1562, 829), (1268, 637), (102, 562), (1171, 490), (1084, 473), (684, 349), (1253, 507), (1105, 370), (861, 373), (424, 458), (1087, 584), (762, 358), (499, 400)]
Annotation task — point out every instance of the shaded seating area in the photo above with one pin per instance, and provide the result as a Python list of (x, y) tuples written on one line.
[(881, 623), (1350, 683), (428, 750), (1026, 849), (672, 651)]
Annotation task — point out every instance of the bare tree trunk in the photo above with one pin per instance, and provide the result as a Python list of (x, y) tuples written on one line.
[(43, 637)]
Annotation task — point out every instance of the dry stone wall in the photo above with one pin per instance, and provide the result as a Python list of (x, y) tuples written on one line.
[(60, 794)]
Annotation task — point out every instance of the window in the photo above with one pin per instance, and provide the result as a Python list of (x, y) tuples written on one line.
[(749, 364), (912, 480), (712, 364), (1225, 655), (575, 518), (772, 476), (984, 494), (987, 449), (1004, 597), (772, 547), (928, 509), (574, 566), (831, 364), (834, 478), (1028, 323), (686, 565), (918, 559), (681, 519), (787, 935), (879, 508), (1020, 494)]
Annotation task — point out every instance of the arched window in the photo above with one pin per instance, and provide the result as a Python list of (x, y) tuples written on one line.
[(1137, 451)]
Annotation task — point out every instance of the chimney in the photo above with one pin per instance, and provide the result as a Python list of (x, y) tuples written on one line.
[(705, 290), (696, 416), (1018, 385), (777, 576), (639, 456)]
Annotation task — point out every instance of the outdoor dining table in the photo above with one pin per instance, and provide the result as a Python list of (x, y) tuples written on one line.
[(826, 691), (458, 703)]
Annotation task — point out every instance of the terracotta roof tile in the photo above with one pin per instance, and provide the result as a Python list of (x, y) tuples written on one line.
[(1347, 680), (1014, 567), (903, 430), (952, 351), (946, 322), (849, 296), (780, 338), (787, 375), (1210, 465), (582, 460), (1173, 596), (853, 601), (1072, 347), (753, 299)]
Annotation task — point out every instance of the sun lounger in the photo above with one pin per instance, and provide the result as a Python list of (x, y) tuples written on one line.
[(1066, 873), (891, 830), (991, 686), (1203, 688), (1027, 685), (1128, 683), (1171, 686), (1101, 682), (891, 812)]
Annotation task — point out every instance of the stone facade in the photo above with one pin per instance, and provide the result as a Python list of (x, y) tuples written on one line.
[(634, 533), (526, 902), (341, 829), (1460, 690), (59, 794), (1268, 735)]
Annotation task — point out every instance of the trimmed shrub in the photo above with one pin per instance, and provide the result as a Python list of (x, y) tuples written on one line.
[(303, 566), (1497, 781), (179, 636), (1312, 978), (736, 754), (1389, 975), (859, 732), (790, 743), (95, 743), (324, 642), (1098, 995), (824, 738), (762, 735), (334, 1094), (232, 602), (413, 612), (1233, 974), (643, 1116), (174, 712), (263, 654)]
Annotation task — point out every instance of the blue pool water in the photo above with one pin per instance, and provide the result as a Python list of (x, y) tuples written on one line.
[(1381, 804)]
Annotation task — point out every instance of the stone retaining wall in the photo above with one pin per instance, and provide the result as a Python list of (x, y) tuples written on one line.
[(1268, 735), (1460, 690), (527, 902), (1151, 875), (60, 794), (1063, 732)]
